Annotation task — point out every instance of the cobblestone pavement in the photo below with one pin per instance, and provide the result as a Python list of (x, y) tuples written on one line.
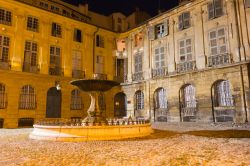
[(162, 148)]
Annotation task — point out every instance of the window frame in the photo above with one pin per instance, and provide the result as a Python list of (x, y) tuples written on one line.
[(184, 23), (6, 16), (100, 41), (33, 25), (217, 39), (76, 100), (56, 30), (185, 48), (27, 99), (139, 100), (161, 61)]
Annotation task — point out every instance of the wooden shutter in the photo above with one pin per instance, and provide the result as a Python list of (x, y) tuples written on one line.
[(210, 8), (166, 28), (151, 33), (186, 19), (218, 8), (180, 25)]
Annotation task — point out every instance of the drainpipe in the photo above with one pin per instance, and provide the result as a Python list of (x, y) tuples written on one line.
[(240, 44), (94, 45)]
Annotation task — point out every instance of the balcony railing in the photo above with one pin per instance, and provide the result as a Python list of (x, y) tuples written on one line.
[(3, 100), (185, 66), (100, 76), (57, 71), (219, 60), (27, 67), (78, 74), (5, 65), (137, 76), (121, 79), (160, 72)]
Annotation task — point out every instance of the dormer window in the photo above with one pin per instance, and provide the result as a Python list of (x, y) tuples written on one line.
[(215, 9)]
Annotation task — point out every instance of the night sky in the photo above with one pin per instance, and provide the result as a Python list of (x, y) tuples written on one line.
[(107, 7)]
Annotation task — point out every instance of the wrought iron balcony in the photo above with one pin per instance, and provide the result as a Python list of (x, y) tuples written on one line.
[(5, 65), (217, 60), (137, 76), (57, 71), (186, 66), (160, 72), (78, 74), (27, 67), (121, 79), (100, 76), (3, 100)]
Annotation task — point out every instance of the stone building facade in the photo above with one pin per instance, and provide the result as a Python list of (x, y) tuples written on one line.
[(187, 64)]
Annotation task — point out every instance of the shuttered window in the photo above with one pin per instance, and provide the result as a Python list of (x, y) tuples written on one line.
[(215, 9), (217, 42), (139, 100), (185, 50), (138, 62), (159, 58), (184, 20), (4, 48)]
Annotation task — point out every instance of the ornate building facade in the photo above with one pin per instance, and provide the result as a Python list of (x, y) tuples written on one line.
[(187, 64)]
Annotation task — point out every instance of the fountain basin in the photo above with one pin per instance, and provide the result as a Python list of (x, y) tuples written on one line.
[(89, 133)]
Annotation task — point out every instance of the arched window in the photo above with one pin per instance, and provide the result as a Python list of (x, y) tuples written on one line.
[(27, 98), (188, 103), (160, 98), (223, 95), (3, 97), (139, 100), (76, 100)]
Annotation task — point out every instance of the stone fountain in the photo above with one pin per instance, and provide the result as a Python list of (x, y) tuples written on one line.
[(94, 87), (94, 126)]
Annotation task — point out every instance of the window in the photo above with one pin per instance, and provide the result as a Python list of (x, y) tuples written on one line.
[(159, 58), (99, 64), (56, 30), (215, 9), (99, 41), (223, 94), (55, 9), (217, 42), (27, 98), (189, 97), (76, 100), (4, 48), (101, 99), (77, 65), (30, 56), (138, 62), (247, 3), (184, 20), (139, 100), (3, 97), (161, 30), (44, 5), (77, 35), (138, 40), (185, 50), (32, 24), (5, 17), (55, 56), (66, 13), (160, 98)]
